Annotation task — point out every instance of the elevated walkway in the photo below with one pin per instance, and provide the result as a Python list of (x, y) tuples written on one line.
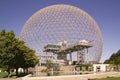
[(57, 49)]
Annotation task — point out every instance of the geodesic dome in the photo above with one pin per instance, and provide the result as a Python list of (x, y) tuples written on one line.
[(56, 23)]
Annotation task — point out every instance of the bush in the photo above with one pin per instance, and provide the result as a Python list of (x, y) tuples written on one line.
[(83, 66)]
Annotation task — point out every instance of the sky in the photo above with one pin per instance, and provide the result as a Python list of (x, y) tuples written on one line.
[(15, 13)]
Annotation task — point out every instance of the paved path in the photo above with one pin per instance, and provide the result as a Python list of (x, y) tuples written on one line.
[(70, 77), (76, 77)]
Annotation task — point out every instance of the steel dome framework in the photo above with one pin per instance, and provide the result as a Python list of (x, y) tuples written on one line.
[(56, 23)]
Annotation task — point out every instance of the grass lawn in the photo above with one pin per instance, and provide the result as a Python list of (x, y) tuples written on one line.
[(4, 74), (109, 78)]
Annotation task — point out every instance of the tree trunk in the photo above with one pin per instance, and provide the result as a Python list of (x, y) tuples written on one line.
[(27, 70), (16, 71), (117, 67), (8, 72), (24, 70)]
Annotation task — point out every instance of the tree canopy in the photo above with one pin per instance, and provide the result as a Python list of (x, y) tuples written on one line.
[(14, 53), (114, 59)]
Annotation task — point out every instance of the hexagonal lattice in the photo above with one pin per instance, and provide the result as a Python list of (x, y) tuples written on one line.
[(56, 23)]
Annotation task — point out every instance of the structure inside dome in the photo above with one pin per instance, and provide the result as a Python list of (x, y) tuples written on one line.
[(64, 31)]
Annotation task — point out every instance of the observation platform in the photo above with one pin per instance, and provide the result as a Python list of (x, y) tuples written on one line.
[(52, 48), (58, 49)]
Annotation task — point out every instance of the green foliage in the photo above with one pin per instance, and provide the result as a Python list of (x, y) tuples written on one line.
[(52, 66), (49, 65), (85, 66), (114, 59), (6, 48), (14, 54), (56, 67), (109, 78)]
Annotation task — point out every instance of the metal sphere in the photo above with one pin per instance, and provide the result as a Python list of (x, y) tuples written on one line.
[(56, 23)]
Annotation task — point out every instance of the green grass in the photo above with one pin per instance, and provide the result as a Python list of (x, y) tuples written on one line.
[(109, 78), (5, 74)]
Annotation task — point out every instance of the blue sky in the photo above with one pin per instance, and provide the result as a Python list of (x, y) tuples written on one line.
[(14, 14)]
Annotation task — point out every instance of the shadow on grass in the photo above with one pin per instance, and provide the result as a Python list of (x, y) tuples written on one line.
[(12, 75)]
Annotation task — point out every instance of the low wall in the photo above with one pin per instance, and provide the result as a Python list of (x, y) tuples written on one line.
[(62, 68), (67, 68)]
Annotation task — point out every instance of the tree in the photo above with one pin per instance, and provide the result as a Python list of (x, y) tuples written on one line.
[(107, 61), (18, 52), (24, 56), (14, 54), (30, 59), (6, 49), (49, 65), (114, 59)]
